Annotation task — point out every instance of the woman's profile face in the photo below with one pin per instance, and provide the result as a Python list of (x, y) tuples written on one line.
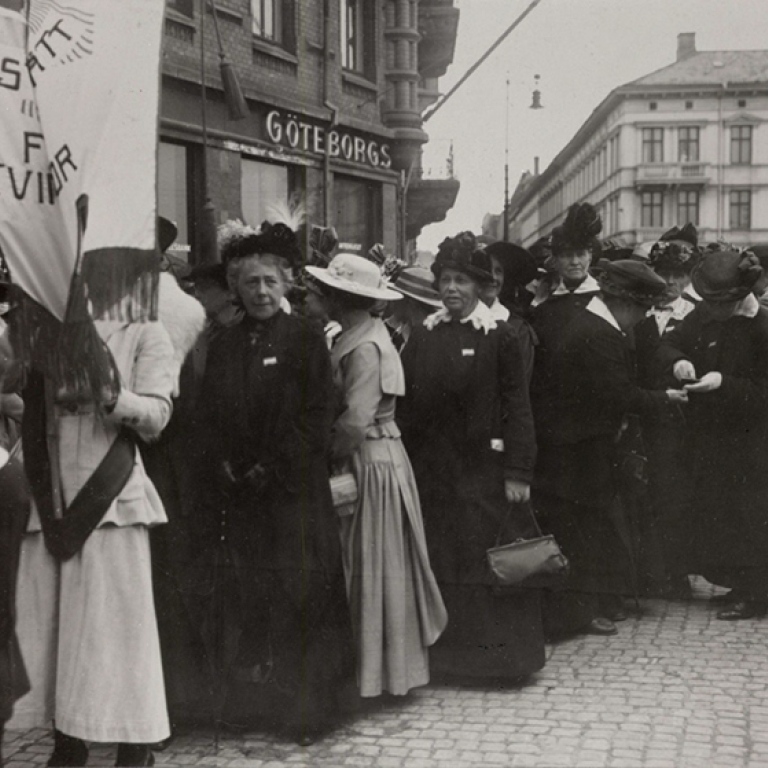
[(573, 265), (458, 291), (261, 285), (490, 292)]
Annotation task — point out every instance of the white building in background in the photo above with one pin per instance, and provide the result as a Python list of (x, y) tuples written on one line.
[(688, 142)]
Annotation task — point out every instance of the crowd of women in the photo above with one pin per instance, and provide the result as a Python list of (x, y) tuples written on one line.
[(335, 467)]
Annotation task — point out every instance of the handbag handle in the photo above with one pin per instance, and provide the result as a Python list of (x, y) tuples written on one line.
[(531, 513)]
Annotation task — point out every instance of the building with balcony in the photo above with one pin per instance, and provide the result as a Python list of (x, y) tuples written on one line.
[(335, 91), (688, 142)]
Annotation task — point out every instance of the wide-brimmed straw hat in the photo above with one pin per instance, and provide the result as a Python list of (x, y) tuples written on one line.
[(631, 280), (728, 275), (418, 283), (356, 275)]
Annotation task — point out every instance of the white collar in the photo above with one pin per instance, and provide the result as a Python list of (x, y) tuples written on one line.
[(749, 306), (481, 318), (546, 289), (499, 311), (600, 309), (677, 310)]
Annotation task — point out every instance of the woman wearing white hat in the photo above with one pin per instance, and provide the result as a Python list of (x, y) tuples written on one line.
[(396, 607)]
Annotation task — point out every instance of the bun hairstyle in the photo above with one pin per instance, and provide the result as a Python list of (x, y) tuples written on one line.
[(579, 231)]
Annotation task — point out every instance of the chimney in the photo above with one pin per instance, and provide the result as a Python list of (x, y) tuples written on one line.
[(536, 166), (686, 45)]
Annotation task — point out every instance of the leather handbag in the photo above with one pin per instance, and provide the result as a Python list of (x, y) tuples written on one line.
[(344, 493), (528, 563)]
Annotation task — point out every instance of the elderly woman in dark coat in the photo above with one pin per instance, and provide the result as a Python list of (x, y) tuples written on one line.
[(268, 396), (576, 487), (721, 349), (468, 429)]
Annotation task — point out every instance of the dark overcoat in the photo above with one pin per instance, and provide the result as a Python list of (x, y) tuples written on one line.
[(14, 511), (267, 403), (466, 394), (579, 471), (728, 445)]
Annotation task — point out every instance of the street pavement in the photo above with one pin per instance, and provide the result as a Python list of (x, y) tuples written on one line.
[(674, 689)]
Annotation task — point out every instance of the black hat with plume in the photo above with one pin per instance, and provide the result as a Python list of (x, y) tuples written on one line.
[(579, 231)]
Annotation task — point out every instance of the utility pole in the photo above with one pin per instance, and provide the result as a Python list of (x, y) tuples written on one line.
[(505, 223)]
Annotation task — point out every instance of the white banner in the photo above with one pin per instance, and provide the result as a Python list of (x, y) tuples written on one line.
[(80, 112)]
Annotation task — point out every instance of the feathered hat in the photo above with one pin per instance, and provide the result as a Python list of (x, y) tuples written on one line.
[(579, 231), (462, 253), (277, 235), (676, 251)]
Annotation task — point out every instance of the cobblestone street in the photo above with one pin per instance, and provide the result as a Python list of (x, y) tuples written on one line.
[(675, 688)]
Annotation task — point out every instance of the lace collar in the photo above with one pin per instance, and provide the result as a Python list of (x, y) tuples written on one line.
[(481, 317)]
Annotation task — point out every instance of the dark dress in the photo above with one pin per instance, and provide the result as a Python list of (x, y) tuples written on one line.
[(14, 511), (550, 320), (279, 589), (465, 389), (577, 483), (664, 546), (727, 447)]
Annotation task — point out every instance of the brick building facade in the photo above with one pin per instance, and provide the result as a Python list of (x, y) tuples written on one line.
[(335, 90)]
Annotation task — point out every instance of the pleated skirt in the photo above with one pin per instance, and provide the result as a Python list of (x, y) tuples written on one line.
[(395, 604)]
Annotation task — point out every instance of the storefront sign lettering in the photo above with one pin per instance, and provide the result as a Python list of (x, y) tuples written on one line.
[(288, 130)]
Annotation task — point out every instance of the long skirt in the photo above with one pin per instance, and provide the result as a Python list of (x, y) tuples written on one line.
[(491, 633), (88, 632), (396, 607), (600, 568)]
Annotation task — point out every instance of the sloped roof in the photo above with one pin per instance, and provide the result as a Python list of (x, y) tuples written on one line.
[(711, 68)]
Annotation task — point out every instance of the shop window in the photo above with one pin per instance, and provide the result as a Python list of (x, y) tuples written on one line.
[(173, 189), (740, 209), (688, 206), (652, 209), (741, 144), (688, 144), (262, 185), (653, 145), (357, 38), (357, 204)]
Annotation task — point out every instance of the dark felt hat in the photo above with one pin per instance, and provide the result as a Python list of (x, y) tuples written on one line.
[(462, 254), (615, 249), (211, 273), (687, 235), (166, 233), (631, 280), (727, 275), (541, 251), (519, 266)]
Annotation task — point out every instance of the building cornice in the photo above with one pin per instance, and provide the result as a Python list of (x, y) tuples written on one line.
[(613, 100)]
